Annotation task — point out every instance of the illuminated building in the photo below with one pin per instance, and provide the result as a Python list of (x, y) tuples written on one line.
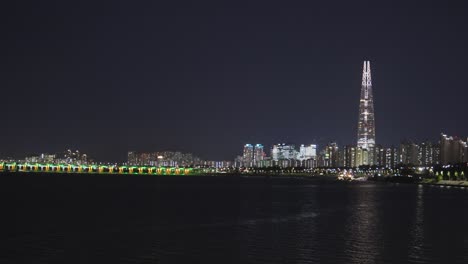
[(131, 158), (429, 154), (332, 155), (452, 150), (238, 162), (165, 158), (380, 157), (283, 152), (217, 164), (307, 156), (258, 155), (248, 155), (349, 156), (329, 156), (362, 157), (266, 162), (66, 157), (307, 152), (409, 153), (32, 159), (286, 155), (275, 152), (48, 158), (389, 157), (366, 123), (310, 163), (445, 149)]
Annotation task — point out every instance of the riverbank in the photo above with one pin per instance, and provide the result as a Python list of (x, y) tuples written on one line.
[(419, 180), (445, 182), (227, 177), (37, 177)]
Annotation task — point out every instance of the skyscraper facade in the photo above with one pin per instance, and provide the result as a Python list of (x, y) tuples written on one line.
[(248, 155), (163, 158), (366, 123), (332, 154), (349, 156), (452, 150), (258, 154), (307, 152)]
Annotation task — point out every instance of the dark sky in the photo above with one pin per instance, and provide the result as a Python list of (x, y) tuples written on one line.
[(207, 77)]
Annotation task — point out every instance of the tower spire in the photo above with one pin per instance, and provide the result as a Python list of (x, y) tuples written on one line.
[(364, 73), (369, 81)]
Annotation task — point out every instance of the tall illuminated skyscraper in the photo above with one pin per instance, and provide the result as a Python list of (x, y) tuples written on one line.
[(248, 155), (366, 123), (258, 154)]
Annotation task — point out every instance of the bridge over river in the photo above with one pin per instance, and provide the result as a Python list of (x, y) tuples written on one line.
[(104, 169)]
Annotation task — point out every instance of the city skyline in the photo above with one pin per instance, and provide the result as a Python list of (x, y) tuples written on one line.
[(254, 154), (366, 151), (447, 150), (207, 79)]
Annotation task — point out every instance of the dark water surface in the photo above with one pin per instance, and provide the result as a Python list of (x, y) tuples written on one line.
[(145, 219)]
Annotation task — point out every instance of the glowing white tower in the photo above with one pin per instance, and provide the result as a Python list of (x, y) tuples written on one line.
[(366, 124)]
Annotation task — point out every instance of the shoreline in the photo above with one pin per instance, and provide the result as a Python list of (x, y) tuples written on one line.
[(255, 177), (427, 181)]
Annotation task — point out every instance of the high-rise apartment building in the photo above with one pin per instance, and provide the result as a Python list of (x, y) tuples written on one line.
[(380, 156), (362, 157), (452, 150), (389, 157), (307, 152), (283, 152), (286, 155), (349, 153), (428, 153), (164, 158), (409, 152), (248, 155), (258, 154), (332, 153)]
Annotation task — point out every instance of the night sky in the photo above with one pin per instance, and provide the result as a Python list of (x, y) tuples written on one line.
[(106, 77)]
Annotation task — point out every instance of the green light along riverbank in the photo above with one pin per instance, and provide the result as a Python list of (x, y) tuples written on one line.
[(99, 169), (49, 168), (445, 176)]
